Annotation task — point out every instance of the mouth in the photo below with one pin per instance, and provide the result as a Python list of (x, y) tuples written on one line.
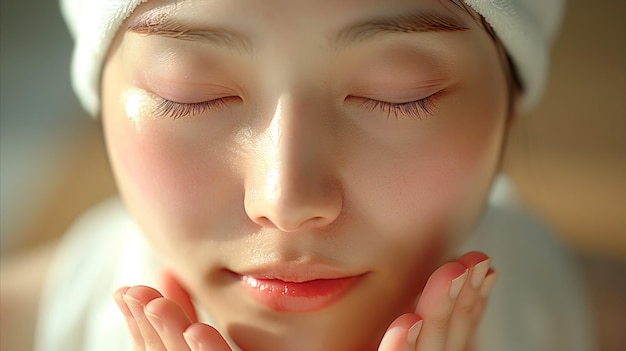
[(307, 289)]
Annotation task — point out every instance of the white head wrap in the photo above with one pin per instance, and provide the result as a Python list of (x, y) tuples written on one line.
[(525, 27)]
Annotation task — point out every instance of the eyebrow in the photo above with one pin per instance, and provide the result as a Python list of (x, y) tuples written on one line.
[(413, 22), (160, 22)]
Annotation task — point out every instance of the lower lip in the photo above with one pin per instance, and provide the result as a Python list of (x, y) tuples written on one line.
[(306, 296)]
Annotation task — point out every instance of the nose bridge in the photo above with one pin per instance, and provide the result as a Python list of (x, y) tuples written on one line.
[(294, 186), (286, 153), (297, 132)]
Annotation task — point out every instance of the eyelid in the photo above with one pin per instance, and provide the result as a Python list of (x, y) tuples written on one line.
[(176, 110), (185, 92), (399, 90), (181, 100), (415, 109), (190, 96)]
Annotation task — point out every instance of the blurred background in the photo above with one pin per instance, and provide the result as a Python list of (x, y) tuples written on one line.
[(568, 157)]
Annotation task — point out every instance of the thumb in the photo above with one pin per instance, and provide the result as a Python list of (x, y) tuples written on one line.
[(172, 289)]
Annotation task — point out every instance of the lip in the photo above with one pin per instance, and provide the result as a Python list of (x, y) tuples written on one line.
[(297, 289)]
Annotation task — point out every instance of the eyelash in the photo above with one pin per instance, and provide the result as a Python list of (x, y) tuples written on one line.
[(411, 110), (176, 110)]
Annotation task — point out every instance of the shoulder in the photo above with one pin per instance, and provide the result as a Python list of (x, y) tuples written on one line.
[(77, 311)]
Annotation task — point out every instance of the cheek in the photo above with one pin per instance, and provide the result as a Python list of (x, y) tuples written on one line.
[(167, 171), (161, 169), (426, 196), (442, 184)]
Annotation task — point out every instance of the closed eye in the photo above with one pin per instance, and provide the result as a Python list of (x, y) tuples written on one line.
[(175, 110), (412, 110)]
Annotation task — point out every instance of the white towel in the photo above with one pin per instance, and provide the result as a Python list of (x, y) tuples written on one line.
[(526, 28)]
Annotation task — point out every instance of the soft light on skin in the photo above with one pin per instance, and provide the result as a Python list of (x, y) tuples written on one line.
[(135, 102), (273, 132)]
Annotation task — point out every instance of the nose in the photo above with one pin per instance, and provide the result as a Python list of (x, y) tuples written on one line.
[(290, 182)]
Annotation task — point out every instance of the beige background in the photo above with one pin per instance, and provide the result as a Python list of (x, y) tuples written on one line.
[(569, 156)]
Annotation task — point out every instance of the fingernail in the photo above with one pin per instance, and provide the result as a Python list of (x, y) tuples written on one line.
[(488, 284), (389, 338), (155, 320), (479, 271), (457, 285), (414, 333), (117, 296), (192, 342)]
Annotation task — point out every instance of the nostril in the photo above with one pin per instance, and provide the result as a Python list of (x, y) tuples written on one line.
[(289, 226), (265, 222)]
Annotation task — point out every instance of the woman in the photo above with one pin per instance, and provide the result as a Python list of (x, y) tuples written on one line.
[(302, 171)]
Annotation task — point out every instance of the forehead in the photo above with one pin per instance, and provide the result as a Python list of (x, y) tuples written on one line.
[(275, 9), (240, 21)]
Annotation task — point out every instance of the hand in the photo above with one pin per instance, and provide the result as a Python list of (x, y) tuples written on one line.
[(448, 311), (158, 323)]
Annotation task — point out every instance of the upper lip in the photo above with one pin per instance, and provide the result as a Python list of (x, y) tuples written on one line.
[(296, 272)]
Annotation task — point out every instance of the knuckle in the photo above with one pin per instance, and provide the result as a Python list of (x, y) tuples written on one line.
[(440, 322), (465, 310)]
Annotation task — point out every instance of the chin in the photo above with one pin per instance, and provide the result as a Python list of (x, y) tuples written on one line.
[(353, 324)]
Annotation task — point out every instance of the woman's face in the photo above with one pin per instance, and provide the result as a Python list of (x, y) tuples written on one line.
[(303, 166)]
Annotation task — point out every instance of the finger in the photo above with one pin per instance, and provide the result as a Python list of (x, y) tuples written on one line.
[(170, 321), (464, 320), (483, 294), (481, 303), (172, 289), (402, 334), (135, 333), (436, 305), (202, 337), (136, 298)]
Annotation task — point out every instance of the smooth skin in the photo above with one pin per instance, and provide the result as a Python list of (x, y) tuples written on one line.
[(251, 135)]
